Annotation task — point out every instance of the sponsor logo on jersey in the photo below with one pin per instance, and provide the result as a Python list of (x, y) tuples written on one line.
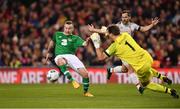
[(69, 39)]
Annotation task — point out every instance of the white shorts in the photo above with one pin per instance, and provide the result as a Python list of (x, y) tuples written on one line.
[(72, 61)]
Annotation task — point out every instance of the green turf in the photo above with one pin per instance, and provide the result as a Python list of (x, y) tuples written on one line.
[(64, 96)]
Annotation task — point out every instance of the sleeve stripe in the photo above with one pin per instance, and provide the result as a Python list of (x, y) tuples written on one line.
[(139, 28), (106, 53)]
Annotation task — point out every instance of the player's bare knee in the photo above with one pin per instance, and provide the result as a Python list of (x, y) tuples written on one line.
[(61, 62), (84, 73)]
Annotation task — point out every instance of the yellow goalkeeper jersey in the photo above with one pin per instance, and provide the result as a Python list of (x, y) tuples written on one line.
[(126, 49)]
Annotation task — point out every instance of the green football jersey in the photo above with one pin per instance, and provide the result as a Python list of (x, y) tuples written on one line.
[(66, 44)]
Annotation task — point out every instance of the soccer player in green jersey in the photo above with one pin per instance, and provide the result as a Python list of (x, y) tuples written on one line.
[(65, 44), (125, 48)]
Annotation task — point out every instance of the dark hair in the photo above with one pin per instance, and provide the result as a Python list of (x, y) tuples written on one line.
[(68, 22), (127, 11), (113, 29)]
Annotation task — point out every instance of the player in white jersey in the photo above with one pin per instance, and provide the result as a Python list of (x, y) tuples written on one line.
[(127, 26), (130, 27)]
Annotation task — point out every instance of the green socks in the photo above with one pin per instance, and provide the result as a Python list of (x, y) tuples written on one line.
[(86, 84), (66, 72)]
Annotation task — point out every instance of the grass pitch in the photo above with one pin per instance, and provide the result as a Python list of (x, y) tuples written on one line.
[(64, 96)]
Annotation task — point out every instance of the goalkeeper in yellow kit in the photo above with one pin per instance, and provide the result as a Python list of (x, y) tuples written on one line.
[(125, 48)]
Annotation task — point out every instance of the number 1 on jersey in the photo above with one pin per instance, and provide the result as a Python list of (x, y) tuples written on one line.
[(126, 43)]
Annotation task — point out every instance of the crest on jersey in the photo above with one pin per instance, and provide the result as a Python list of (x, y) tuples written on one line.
[(69, 39)]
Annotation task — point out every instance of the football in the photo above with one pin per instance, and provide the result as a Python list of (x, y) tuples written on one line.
[(52, 75)]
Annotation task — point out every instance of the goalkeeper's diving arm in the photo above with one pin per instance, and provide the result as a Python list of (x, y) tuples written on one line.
[(100, 54), (99, 51)]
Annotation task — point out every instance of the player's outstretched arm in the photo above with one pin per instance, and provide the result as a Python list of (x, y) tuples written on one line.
[(154, 22), (51, 44), (100, 54)]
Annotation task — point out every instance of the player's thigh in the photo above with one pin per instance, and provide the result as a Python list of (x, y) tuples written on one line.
[(75, 63), (145, 75), (144, 80), (148, 58), (60, 60)]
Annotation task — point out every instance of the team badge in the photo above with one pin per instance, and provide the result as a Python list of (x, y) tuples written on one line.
[(69, 39)]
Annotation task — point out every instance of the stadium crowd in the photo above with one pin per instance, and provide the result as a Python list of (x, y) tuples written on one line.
[(26, 28)]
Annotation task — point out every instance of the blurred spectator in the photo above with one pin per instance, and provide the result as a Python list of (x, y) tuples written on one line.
[(27, 26), (15, 63)]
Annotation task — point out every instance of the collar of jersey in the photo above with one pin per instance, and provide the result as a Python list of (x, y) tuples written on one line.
[(119, 39)]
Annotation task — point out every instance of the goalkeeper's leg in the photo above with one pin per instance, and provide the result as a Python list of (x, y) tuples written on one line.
[(145, 80), (155, 73), (159, 88)]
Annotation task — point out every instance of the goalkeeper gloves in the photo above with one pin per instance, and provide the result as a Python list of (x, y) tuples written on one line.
[(103, 29), (96, 40)]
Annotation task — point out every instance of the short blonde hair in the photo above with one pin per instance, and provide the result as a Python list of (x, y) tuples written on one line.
[(69, 22)]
